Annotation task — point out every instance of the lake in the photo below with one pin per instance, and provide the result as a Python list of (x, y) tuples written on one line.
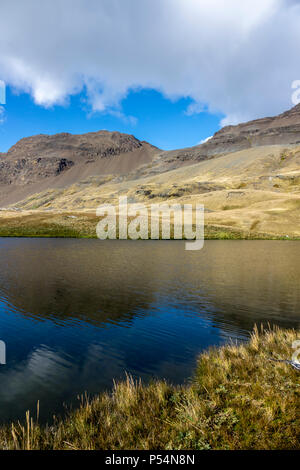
[(77, 314)]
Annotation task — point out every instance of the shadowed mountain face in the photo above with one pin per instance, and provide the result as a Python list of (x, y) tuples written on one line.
[(42, 162), (42, 156)]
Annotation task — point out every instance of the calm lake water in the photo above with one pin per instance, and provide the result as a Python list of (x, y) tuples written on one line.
[(76, 314)]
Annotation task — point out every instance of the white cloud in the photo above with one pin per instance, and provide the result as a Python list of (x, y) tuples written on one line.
[(238, 58), (205, 140), (195, 108), (2, 114)]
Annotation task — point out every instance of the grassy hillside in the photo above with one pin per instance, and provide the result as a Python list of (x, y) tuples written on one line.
[(254, 193), (83, 225), (237, 399)]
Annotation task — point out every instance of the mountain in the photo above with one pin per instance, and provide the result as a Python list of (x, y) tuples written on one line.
[(43, 161), (247, 176), (283, 129)]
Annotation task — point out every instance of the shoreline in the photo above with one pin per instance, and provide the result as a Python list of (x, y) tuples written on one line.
[(82, 224), (87, 230), (236, 399), (77, 236)]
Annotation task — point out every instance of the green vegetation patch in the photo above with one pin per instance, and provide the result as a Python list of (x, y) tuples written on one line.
[(83, 225)]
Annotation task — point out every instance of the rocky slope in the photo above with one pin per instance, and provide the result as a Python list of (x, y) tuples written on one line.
[(36, 158), (283, 129), (42, 156), (40, 162), (247, 176)]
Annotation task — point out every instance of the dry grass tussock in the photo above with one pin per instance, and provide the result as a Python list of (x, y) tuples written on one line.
[(237, 399)]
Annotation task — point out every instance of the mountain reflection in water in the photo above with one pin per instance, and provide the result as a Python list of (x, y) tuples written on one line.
[(76, 314)]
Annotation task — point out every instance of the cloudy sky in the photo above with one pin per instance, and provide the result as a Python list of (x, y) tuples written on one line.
[(168, 71)]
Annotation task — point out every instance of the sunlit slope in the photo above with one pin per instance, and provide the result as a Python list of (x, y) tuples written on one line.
[(254, 190)]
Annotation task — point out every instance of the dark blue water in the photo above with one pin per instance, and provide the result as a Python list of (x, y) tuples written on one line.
[(77, 314)]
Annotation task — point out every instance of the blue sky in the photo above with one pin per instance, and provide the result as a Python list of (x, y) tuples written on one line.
[(146, 113), (144, 67)]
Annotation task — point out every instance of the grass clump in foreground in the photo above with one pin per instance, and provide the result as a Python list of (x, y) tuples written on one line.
[(238, 399)]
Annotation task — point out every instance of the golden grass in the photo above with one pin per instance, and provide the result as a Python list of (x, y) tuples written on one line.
[(238, 399), (82, 224), (254, 190)]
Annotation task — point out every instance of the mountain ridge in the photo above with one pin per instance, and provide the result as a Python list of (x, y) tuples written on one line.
[(41, 156), (246, 176), (283, 129)]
